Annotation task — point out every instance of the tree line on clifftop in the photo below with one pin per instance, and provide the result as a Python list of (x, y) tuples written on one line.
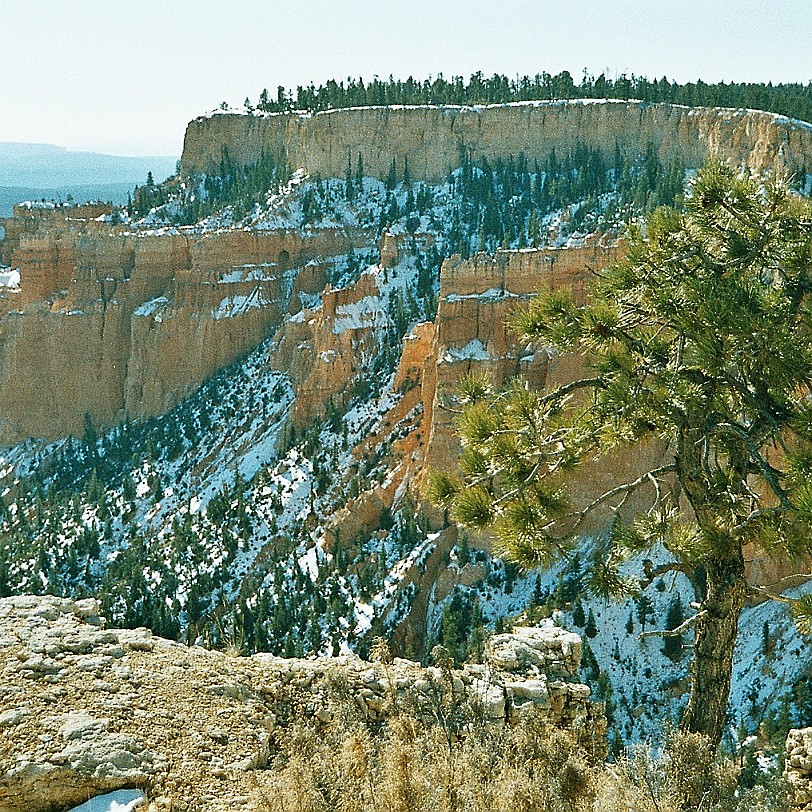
[(789, 99)]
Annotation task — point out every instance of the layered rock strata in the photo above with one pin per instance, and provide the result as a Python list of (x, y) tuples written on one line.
[(122, 325), (85, 709), (432, 139)]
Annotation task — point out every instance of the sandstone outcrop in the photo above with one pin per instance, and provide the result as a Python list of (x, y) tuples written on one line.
[(798, 768), (476, 299), (122, 324), (325, 349), (432, 138), (119, 323), (30, 218), (85, 709)]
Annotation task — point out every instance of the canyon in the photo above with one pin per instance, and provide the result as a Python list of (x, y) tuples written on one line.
[(116, 324), (121, 322), (325, 357)]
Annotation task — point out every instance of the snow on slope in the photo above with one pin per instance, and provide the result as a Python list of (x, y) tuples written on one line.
[(210, 520)]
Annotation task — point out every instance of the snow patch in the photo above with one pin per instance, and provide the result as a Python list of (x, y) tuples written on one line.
[(232, 306), (122, 800), (369, 312), (9, 278), (474, 350), (151, 307)]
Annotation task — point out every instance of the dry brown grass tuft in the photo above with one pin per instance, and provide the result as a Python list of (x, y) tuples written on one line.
[(408, 765)]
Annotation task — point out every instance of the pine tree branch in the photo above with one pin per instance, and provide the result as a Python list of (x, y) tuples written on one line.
[(559, 392), (563, 391), (759, 514), (683, 627), (625, 489), (767, 471), (765, 593), (652, 572), (754, 401)]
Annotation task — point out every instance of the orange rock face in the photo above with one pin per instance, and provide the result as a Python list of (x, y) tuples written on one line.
[(117, 324), (477, 299), (471, 333)]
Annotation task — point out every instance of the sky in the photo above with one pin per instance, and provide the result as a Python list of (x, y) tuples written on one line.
[(126, 77)]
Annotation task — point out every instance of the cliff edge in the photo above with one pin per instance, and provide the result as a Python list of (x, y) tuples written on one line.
[(431, 139)]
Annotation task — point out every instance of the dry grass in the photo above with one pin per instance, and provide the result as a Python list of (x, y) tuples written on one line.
[(406, 766)]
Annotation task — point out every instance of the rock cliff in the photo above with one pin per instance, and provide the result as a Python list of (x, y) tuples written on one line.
[(85, 709), (431, 138), (120, 324)]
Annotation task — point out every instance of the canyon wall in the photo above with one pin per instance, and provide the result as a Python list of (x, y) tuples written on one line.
[(122, 324), (471, 334), (431, 138)]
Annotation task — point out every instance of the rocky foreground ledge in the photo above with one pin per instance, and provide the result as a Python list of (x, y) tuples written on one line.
[(85, 709)]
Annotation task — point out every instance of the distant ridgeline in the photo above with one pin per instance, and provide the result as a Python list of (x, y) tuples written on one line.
[(793, 99)]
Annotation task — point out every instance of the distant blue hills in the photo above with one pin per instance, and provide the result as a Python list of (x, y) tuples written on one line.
[(37, 171)]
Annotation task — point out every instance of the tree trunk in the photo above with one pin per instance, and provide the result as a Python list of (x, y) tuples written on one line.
[(714, 643)]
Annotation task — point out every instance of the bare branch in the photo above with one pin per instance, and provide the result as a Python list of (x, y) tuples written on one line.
[(788, 578), (624, 489), (683, 627), (765, 593)]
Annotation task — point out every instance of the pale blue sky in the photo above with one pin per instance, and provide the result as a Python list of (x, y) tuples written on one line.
[(125, 77)]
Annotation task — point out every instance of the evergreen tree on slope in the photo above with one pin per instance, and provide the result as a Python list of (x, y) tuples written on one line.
[(700, 340)]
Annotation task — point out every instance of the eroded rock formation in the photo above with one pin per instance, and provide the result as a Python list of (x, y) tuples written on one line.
[(119, 323), (431, 139), (123, 324)]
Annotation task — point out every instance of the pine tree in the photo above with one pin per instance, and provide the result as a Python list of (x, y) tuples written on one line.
[(645, 608), (392, 177), (766, 639), (578, 616), (591, 629), (673, 645), (359, 171), (699, 341)]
